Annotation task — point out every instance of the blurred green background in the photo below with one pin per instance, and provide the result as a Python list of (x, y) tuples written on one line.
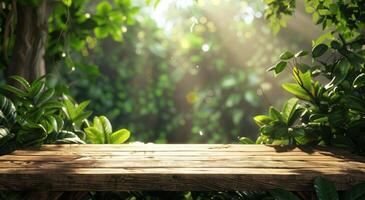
[(181, 71)]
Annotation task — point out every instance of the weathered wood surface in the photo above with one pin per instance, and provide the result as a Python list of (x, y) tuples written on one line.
[(176, 167)]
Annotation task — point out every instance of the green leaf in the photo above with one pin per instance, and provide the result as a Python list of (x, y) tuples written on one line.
[(31, 135), (45, 96), (64, 137), (119, 136), (7, 112), (107, 128), (79, 118), (274, 114), (280, 194), (103, 8), (300, 137), (21, 80), (289, 109), (296, 90), (82, 106), (301, 54), (262, 120), (325, 189), (14, 90), (5, 136), (246, 140), (359, 81), (303, 79), (69, 108), (280, 66), (335, 44), (319, 50), (36, 88), (94, 135), (52, 104), (286, 55), (341, 71)]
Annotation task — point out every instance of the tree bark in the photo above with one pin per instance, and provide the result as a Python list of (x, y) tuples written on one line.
[(27, 58)]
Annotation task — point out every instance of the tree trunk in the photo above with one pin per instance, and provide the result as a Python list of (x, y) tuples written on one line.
[(30, 40)]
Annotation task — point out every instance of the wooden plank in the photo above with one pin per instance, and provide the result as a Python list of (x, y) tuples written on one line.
[(174, 180), (168, 182), (176, 167), (118, 158), (168, 153), (183, 147), (91, 163)]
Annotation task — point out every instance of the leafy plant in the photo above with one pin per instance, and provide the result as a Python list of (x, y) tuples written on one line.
[(101, 132), (35, 117), (331, 110)]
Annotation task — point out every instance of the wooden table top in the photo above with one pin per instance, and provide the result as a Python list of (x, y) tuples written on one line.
[(176, 167)]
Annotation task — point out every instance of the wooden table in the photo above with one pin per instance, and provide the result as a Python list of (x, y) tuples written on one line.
[(176, 167)]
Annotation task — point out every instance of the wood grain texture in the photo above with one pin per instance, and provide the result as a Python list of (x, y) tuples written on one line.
[(176, 167)]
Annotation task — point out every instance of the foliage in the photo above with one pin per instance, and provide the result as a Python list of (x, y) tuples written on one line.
[(331, 110), (101, 132), (39, 115), (35, 116)]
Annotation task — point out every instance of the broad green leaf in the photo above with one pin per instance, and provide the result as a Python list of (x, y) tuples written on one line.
[(262, 120), (107, 128), (21, 80), (81, 117), (31, 135), (319, 50), (7, 112), (45, 96), (300, 137), (64, 137), (275, 114), (280, 194), (303, 79), (280, 66), (36, 89), (286, 55), (82, 106), (289, 108), (69, 108), (94, 135), (52, 104), (296, 90), (295, 116), (341, 71), (325, 189), (5, 136), (14, 90), (120, 136), (97, 124)]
